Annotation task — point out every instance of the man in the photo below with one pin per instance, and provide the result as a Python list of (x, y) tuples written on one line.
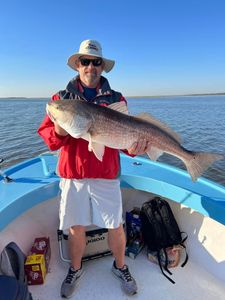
[(90, 190)]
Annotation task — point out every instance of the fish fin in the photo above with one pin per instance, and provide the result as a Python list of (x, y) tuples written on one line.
[(119, 106), (200, 162), (85, 136), (76, 131), (150, 119), (154, 153), (98, 149)]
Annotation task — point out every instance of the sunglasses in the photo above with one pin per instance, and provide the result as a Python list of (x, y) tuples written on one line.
[(97, 62)]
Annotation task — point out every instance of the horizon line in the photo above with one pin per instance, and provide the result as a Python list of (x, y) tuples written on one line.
[(133, 96)]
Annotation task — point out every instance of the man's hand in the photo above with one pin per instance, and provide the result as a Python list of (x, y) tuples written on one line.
[(139, 147), (59, 130)]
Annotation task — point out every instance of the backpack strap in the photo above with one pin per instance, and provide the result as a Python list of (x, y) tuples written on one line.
[(182, 244), (166, 262), (160, 265), (186, 236), (186, 257)]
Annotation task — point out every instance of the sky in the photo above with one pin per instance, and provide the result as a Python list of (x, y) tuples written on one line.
[(161, 47)]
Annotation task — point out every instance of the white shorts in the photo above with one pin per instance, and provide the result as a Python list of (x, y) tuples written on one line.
[(90, 202)]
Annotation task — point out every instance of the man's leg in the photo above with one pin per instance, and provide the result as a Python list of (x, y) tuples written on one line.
[(117, 244), (77, 243)]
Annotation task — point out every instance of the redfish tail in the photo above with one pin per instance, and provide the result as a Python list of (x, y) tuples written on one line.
[(200, 162)]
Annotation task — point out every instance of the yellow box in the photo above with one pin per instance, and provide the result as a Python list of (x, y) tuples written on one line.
[(35, 269)]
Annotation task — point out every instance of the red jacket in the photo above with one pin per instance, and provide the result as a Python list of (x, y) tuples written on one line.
[(75, 161)]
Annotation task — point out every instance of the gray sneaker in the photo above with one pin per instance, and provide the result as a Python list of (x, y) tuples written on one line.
[(128, 283), (70, 282)]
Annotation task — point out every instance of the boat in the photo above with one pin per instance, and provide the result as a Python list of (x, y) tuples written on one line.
[(29, 193)]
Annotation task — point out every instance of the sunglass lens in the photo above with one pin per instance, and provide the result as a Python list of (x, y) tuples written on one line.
[(96, 62), (85, 61)]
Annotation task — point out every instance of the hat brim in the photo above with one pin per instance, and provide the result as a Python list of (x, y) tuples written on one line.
[(108, 63)]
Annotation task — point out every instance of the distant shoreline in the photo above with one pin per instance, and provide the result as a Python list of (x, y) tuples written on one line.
[(153, 96), (25, 98), (185, 95)]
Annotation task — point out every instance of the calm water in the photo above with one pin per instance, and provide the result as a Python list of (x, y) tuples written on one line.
[(199, 120)]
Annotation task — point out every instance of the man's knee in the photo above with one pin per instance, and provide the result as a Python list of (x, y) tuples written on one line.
[(77, 230), (117, 231)]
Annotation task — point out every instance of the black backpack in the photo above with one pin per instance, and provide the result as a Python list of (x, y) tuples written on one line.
[(160, 231), (13, 284)]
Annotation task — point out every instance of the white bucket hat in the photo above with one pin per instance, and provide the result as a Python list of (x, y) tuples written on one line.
[(93, 48)]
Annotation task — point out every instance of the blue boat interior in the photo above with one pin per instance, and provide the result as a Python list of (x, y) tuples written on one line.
[(35, 181)]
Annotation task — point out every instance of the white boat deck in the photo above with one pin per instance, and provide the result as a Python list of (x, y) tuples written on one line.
[(203, 277), (98, 282)]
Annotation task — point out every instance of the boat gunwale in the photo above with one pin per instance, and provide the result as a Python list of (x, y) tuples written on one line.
[(135, 175)]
